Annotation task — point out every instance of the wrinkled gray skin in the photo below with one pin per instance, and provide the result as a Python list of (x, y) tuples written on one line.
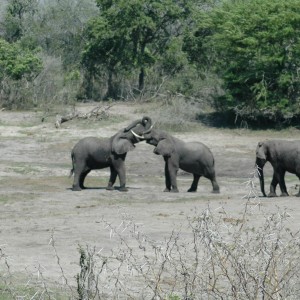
[(92, 153), (284, 156), (194, 157)]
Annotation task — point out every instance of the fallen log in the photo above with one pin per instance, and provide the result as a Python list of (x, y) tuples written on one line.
[(98, 112)]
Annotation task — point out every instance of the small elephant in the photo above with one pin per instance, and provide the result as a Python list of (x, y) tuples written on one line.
[(92, 153), (284, 156), (193, 157)]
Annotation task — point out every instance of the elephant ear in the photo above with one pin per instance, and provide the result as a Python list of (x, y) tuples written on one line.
[(260, 151), (121, 145), (165, 148)]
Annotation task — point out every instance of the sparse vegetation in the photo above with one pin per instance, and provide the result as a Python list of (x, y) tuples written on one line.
[(213, 255), (219, 62)]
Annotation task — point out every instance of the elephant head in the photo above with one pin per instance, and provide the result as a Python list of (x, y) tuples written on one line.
[(163, 141), (124, 140), (262, 152)]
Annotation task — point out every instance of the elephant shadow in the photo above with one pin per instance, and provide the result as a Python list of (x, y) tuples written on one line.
[(115, 188)]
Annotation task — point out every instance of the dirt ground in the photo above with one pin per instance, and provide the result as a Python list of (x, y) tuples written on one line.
[(37, 203)]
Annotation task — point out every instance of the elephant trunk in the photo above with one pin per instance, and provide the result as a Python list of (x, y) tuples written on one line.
[(146, 122), (133, 124), (260, 170)]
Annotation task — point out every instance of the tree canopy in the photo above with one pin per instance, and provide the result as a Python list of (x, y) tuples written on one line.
[(254, 46), (131, 35), (16, 62)]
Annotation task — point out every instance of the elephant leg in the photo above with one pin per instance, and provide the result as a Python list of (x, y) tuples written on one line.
[(173, 169), (119, 166), (282, 185), (78, 175), (273, 185), (210, 174), (194, 185), (216, 188), (112, 179), (167, 177), (298, 195), (212, 177), (82, 178)]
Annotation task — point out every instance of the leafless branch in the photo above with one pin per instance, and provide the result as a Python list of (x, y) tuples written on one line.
[(98, 112)]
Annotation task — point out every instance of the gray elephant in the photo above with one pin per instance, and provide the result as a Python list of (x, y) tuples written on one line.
[(92, 153), (193, 157), (284, 156)]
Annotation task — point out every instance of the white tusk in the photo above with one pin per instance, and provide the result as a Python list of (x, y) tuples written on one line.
[(136, 135)]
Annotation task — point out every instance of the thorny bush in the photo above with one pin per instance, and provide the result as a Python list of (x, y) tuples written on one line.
[(214, 255)]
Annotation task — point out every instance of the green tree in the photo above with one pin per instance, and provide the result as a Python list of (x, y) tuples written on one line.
[(254, 45), (16, 62), (130, 36), (57, 26), (16, 13), (18, 67)]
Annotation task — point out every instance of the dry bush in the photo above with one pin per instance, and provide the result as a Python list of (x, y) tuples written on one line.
[(213, 255), (16, 94), (30, 283), (176, 113), (222, 258), (53, 86)]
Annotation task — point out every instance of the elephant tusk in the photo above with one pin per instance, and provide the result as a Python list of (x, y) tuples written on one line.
[(136, 135)]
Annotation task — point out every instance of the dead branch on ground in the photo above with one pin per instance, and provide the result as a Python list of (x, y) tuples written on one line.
[(99, 112)]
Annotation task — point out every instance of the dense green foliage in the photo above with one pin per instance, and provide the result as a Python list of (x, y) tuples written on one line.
[(241, 56), (18, 67), (131, 36), (16, 62), (254, 46)]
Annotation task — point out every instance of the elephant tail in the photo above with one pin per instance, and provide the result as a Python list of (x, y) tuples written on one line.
[(72, 170)]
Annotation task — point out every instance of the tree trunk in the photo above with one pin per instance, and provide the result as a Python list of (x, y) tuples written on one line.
[(141, 79), (88, 85), (142, 69), (112, 91), (110, 87)]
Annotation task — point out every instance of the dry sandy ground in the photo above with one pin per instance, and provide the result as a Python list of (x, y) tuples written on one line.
[(36, 201)]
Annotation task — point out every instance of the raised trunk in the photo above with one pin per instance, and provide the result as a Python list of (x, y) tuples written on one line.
[(145, 121), (133, 124)]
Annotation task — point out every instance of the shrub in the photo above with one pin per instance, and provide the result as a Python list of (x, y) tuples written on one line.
[(18, 67), (214, 256)]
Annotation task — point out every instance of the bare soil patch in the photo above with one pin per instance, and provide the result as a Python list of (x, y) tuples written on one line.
[(36, 200)]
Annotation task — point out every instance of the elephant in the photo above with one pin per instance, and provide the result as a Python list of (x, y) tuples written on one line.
[(92, 153), (192, 157), (284, 156)]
